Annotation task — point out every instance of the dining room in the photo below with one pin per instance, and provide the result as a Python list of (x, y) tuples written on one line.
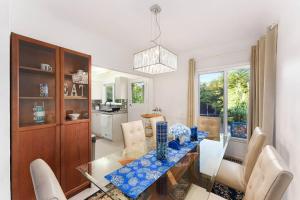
[(149, 100)]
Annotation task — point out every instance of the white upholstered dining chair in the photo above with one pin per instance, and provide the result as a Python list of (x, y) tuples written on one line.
[(153, 122), (237, 175), (211, 125), (268, 181), (133, 133), (46, 186)]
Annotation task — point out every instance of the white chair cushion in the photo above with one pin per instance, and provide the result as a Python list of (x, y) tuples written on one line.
[(235, 175), (231, 174), (44, 181), (134, 133), (153, 122), (198, 193), (254, 148), (270, 177)]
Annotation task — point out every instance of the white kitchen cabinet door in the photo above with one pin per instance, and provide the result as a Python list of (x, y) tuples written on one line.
[(118, 119), (97, 90), (96, 124), (121, 88), (106, 126)]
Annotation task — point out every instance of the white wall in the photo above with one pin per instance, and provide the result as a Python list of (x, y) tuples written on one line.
[(288, 92), (32, 18), (5, 100)]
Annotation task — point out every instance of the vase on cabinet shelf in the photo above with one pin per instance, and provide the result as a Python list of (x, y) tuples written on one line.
[(38, 113)]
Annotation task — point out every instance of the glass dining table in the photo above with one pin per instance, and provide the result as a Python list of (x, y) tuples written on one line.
[(198, 167)]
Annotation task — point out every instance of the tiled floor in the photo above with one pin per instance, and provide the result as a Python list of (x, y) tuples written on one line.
[(103, 147)]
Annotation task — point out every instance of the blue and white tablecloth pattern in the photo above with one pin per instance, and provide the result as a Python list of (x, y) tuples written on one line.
[(137, 176)]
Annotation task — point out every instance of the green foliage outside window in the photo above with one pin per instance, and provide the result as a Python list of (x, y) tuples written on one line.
[(212, 95), (238, 95), (137, 92), (109, 93)]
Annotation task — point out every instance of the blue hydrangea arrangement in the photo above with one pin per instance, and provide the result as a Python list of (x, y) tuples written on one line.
[(180, 132)]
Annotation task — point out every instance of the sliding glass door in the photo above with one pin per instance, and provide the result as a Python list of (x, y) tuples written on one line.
[(212, 102), (223, 101)]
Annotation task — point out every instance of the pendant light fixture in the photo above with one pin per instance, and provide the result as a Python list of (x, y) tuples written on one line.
[(156, 59)]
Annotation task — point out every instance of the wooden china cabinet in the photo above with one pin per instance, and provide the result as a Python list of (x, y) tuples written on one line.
[(48, 83)]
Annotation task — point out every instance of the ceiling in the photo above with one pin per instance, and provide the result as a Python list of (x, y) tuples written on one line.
[(186, 24), (107, 75)]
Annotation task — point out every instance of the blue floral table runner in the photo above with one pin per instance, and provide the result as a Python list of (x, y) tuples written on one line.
[(137, 176)]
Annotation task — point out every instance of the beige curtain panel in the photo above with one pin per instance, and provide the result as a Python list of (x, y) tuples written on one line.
[(191, 93), (263, 82)]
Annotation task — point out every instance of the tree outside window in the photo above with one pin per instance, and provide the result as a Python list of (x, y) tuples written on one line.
[(212, 98), (137, 92)]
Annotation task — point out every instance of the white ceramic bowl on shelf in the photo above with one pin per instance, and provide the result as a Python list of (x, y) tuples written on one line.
[(74, 116)]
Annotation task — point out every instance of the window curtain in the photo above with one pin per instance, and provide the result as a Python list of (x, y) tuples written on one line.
[(263, 82), (191, 95)]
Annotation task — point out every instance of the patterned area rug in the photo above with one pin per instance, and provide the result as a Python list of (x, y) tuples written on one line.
[(227, 192), (114, 193)]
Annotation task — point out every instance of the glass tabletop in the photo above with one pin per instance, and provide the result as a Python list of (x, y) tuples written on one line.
[(198, 167)]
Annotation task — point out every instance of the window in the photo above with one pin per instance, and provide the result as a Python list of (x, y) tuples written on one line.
[(137, 89), (212, 100), (109, 92), (237, 106), (223, 100)]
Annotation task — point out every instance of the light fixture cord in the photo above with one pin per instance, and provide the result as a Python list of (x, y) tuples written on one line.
[(159, 31)]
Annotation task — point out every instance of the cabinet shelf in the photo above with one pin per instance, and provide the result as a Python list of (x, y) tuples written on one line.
[(37, 98), (75, 98), (32, 69)]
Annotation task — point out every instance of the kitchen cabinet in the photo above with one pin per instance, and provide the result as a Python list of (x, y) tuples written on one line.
[(96, 123), (106, 121), (121, 88), (97, 88), (118, 119), (108, 125)]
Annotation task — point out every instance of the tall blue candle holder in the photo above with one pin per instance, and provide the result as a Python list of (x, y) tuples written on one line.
[(161, 140), (194, 134)]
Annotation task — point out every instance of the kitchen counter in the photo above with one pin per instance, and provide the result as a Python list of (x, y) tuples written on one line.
[(109, 113)]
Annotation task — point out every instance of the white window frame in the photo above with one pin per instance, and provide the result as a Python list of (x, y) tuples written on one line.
[(225, 70)]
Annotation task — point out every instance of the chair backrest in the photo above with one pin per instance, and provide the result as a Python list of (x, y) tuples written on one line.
[(270, 177), (211, 125), (153, 121), (44, 181), (134, 133), (254, 149)]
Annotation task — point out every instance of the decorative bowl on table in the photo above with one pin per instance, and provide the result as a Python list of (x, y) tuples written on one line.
[(74, 116)]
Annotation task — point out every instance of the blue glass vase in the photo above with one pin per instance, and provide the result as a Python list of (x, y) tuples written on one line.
[(161, 140), (194, 134)]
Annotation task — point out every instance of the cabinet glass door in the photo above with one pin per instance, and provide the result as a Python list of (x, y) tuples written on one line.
[(37, 84), (75, 86)]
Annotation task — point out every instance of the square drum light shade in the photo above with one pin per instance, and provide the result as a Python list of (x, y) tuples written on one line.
[(155, 60)]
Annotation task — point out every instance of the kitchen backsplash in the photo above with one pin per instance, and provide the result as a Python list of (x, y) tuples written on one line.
[(122, 103), (96, 103)]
